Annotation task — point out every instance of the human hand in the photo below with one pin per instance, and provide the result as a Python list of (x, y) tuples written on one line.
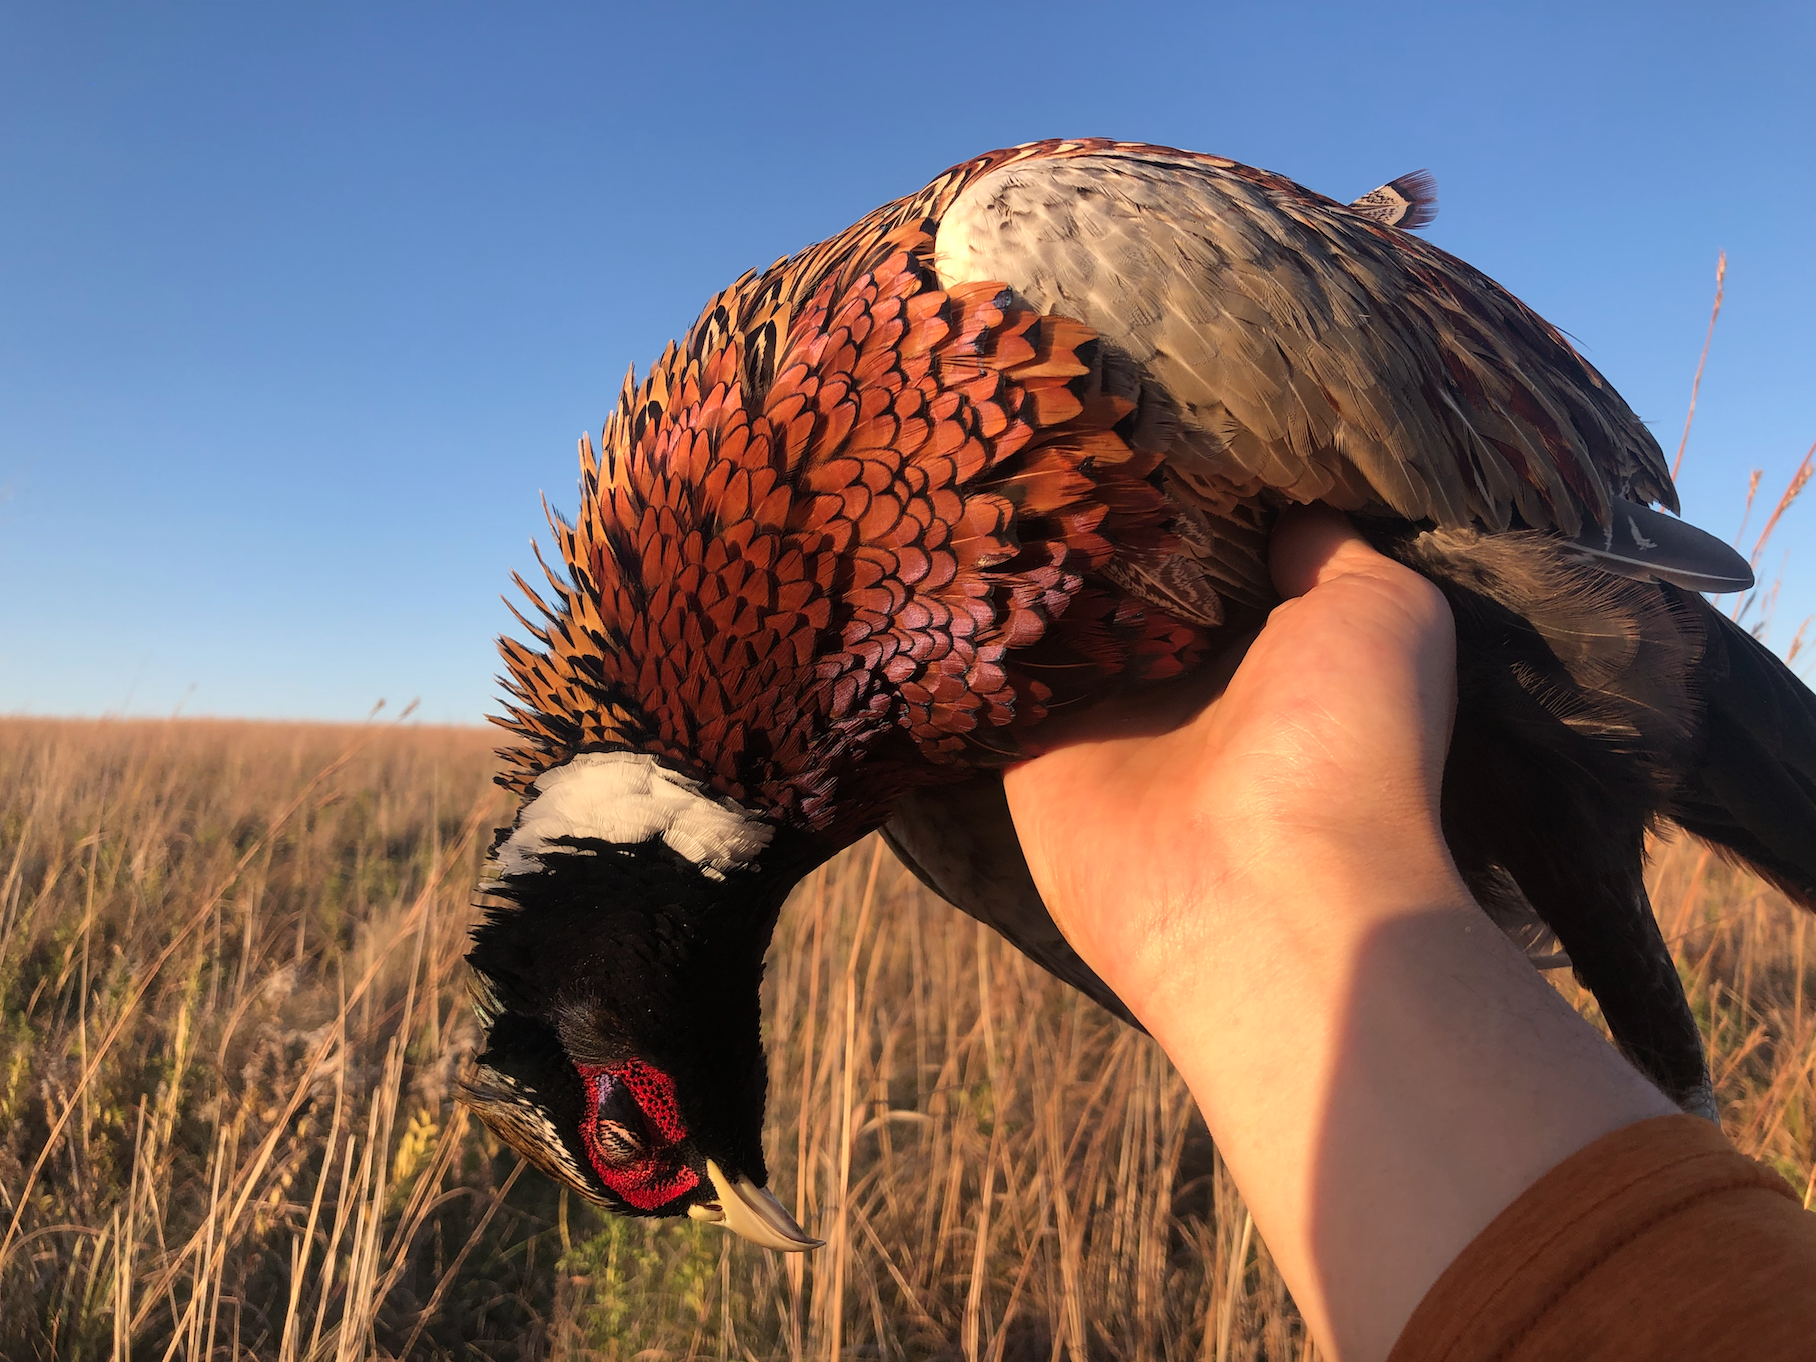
[(1315, 766), (1253, 860)]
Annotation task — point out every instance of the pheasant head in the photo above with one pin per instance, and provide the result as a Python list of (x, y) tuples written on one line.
[(618, 972)]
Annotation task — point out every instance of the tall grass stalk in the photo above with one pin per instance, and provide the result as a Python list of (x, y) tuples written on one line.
[(232, 1011)]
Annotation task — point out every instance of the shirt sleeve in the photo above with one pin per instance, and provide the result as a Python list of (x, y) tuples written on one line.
[(1659, 1240)]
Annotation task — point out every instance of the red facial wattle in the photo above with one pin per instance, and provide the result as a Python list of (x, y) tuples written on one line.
[(642, 1166)]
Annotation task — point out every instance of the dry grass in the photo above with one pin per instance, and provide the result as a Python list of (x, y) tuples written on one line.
[(231, 1006)]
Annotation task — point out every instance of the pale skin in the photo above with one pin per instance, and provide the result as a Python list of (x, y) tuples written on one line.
[(1263, 880)]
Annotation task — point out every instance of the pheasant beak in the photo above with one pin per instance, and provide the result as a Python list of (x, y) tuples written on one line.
[(747, 1209)]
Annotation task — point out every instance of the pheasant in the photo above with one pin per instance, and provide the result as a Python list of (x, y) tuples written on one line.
[(1014, 443)]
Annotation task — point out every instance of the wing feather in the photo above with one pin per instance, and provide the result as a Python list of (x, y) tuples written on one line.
[(960, 842), (1296, 336)]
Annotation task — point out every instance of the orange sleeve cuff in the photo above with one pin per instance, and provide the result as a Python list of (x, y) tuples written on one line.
[(1656, 1241)]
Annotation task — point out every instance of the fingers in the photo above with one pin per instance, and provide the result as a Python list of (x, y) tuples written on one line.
[(1367, 606), (1312, 544)]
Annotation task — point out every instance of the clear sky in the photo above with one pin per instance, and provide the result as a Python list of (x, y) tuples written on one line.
[(302, 306)]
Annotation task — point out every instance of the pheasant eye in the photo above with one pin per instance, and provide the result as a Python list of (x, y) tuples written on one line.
[(620, 1133)]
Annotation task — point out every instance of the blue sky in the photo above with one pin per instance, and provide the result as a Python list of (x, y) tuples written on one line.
[(303, 306)]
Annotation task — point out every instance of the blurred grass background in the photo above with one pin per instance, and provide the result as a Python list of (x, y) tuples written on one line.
[(232, 1012)]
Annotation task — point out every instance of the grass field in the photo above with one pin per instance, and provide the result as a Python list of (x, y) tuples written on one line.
[(232, 1012)]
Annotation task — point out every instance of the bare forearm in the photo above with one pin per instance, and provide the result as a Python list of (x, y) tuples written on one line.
[(1384, 1073)]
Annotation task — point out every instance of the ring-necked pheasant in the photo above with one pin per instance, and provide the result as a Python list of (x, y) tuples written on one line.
[(1014, 442)]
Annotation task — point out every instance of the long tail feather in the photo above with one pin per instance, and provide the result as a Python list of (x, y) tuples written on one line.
[(1754, 796)]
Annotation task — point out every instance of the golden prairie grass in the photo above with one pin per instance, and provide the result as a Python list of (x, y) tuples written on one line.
[(232, 1011)]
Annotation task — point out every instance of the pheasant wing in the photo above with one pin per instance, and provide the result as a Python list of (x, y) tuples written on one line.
[(1288, 345)]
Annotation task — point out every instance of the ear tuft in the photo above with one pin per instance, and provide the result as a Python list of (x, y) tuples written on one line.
[(512, 1112)]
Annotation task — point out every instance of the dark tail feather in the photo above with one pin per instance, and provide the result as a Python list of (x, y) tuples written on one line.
[(1754, 796)]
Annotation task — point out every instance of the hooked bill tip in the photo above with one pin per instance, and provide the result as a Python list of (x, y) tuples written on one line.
[(753, 1213)]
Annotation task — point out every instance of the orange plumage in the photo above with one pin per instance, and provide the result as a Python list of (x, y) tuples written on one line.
[(786, 557)]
